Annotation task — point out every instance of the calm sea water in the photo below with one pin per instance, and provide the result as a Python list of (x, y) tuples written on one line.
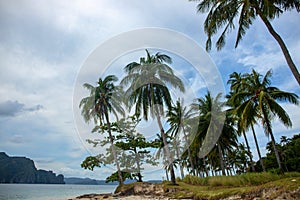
[(49, 192)]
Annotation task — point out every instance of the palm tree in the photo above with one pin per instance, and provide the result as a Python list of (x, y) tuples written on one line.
[(260, 100), (177, 117), (223, 14), (103, 99), (148, 91), (236, 84), (227, 139)]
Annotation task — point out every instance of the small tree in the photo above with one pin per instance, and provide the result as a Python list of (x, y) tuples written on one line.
[(131, 149), (135, 144)]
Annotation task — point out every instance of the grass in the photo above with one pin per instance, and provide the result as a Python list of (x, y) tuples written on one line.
[(249, 179), (247, 184)]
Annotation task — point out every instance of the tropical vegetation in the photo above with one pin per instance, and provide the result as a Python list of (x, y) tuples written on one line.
[(201, 139)]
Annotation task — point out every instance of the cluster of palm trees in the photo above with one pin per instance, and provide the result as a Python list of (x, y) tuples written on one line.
[(251, 99)]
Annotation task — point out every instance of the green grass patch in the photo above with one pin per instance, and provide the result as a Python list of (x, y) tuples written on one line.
[(248, 184), (249, 179)]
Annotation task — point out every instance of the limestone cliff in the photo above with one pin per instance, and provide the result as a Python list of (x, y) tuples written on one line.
[(23, 170)]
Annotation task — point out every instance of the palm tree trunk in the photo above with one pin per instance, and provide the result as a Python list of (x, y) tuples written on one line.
[(177, 146), (167, 175), (113, 149), (269, 130), (167, 150), (189, 151), (221, 159), (282, 45), (249, 152), (257, 148), (275, 149)]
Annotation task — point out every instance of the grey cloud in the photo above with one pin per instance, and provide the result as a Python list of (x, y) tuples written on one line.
[(12, 108)]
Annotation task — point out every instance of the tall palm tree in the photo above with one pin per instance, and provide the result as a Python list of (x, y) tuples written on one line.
[(103, 100), (148, 90), (236, 84), (211, 120), (177, 117), (227, 139), (222, 14), (260, 100)]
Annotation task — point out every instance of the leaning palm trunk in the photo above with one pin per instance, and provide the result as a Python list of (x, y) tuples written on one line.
[(257, 148), (249, 152), (276, 152), (269, 129), (166, 148), (282, 45), (113, 149)]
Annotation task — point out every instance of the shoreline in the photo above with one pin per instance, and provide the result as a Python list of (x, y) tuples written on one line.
[(147, 191), (135, 191), (111, 196)]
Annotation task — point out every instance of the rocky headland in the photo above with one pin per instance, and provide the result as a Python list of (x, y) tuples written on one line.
[(23, 170)]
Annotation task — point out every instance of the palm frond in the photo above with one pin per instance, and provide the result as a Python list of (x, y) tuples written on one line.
[(132, 67), (284, 96), (277, 110), (247, 15)]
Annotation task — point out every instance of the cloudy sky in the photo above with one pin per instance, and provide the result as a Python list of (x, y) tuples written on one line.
[(44, 46)]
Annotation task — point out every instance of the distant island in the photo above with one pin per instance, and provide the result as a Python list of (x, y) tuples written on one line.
[(87, 181), (23, 170)]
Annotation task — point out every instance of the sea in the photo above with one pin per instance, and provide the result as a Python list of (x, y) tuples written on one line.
[(50, 191)]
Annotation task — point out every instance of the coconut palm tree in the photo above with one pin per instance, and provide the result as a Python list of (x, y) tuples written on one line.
[(260, 100), (103, 100), (236, 84), (177, 117), (227, 139), (222, 14), (148, 91)]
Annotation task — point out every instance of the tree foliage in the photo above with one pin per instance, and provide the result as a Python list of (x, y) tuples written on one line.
[(289, 151)]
